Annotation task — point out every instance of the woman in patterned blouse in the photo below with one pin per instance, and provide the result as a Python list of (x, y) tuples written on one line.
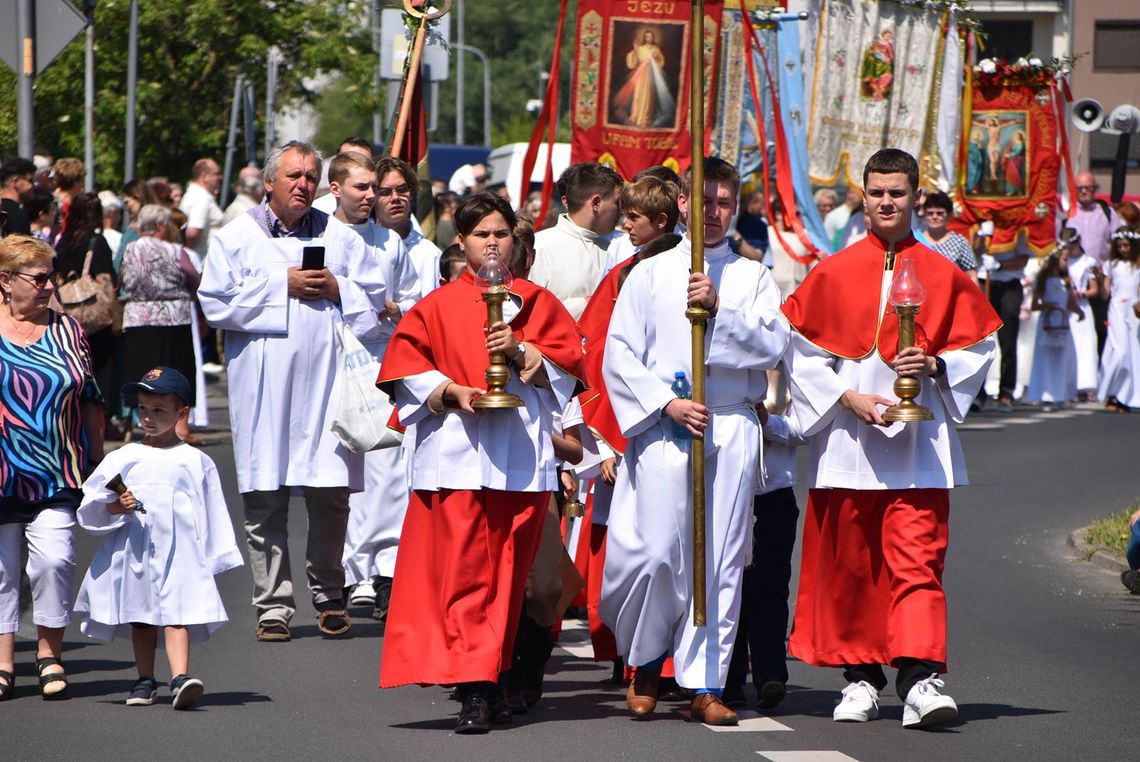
[(158, 285), (51, 431), (953, 246)]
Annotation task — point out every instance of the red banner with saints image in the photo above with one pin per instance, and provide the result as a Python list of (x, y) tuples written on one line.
[(631, 82), (1010, 160)]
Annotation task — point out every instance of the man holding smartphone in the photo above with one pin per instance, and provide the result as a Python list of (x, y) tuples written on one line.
[(281, 281)]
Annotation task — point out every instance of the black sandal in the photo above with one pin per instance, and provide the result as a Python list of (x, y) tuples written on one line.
[(8, 687), (48, 681)]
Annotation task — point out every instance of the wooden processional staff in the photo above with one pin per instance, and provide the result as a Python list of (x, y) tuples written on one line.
[(403, 110), (697, 314)]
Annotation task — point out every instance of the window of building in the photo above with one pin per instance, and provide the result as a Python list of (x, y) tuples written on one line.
[(1102, 150), (1115, 46), (1007, 40)]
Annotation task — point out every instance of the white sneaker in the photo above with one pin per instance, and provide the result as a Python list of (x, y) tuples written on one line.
[(925, 707), (213, 368), (363, 594), (860, 703)]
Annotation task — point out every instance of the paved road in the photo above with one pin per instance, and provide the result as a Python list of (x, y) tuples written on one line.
[(1042, 651)]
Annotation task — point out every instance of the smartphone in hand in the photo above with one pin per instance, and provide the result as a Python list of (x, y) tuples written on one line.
[(313, 258)]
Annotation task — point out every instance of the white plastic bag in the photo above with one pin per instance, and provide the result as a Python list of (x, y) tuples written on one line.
[(361, 421)]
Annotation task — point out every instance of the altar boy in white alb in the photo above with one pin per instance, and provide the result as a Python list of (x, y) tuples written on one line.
[(647, 588), (376, 515), (282, 357)]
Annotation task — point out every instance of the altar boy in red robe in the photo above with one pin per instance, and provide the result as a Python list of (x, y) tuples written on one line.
[(876, 530), (481, 480)]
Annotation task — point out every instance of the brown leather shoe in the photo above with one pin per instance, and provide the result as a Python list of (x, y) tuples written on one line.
[(641, 698), (707, 708)]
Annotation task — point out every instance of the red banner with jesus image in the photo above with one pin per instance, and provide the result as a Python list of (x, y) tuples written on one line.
[(631, 82), (1010, 160)]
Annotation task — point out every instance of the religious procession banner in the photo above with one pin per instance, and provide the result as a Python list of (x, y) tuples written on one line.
[(875, 69), (631, 82), (1010, 158)]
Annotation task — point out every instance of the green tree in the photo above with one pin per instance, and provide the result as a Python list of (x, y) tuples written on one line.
[(518, 37), (190, 54)]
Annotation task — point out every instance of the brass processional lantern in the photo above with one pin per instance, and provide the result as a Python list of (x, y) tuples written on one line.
[(494, 280), (907, 294)]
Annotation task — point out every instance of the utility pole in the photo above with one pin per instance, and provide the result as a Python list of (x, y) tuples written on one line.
[(26, 74), (459, 71), (377, 44), (132, 93), (486, 88), (271, 99), (89, 99)]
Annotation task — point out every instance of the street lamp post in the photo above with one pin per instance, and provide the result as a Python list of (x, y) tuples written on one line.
[(486, 94), (89, 99), (132, 92)]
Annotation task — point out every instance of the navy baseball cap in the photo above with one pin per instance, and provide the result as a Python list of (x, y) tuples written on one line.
[(161, 380)]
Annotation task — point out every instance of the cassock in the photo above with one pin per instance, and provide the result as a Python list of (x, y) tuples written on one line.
[(879, 495), (377, 514), (598, 413), (156, 567), (647, 590), (282, 353), (481, 483)]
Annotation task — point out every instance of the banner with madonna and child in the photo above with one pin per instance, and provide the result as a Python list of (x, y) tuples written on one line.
[(876, 66)]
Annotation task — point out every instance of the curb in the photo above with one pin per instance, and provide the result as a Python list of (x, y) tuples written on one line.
[(1097, 555)]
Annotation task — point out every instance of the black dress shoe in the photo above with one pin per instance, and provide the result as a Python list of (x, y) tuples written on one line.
[(474, 717)]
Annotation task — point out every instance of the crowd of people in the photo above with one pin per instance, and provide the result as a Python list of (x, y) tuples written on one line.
[(456, 531)]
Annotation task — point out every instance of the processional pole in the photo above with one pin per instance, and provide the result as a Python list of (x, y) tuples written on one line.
[(403, 111), (697, 314)]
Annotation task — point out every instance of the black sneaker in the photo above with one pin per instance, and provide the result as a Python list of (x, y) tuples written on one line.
[(1131, 580), (143, 692), (185, 690), (383, 588), (770, 693)]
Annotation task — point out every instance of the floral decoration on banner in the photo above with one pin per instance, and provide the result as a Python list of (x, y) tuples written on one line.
[(994, 72)]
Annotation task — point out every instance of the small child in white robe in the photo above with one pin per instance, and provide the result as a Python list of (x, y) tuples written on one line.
[(160, 502), (1053, 380)]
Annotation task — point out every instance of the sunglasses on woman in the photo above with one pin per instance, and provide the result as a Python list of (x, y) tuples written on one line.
[(39, 280)]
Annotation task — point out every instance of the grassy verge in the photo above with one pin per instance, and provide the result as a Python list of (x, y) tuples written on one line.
[(1111, 532)]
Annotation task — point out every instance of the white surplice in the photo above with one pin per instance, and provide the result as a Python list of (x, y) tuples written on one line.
[(1084, 331), (844, 452), (647, 587), (156, 567), (282, 353), (568, 260), (425, 259), (376, 515), (509, 450)]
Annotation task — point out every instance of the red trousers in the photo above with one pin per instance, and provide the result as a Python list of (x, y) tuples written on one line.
[(457, 591), (871, 577)]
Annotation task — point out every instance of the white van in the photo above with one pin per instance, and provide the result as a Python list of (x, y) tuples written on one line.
[(505, 164)]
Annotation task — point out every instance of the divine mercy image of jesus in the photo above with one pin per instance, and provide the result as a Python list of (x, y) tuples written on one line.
[(645, 97)]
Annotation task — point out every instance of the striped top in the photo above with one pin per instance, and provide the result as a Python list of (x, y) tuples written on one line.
[(43, 447)]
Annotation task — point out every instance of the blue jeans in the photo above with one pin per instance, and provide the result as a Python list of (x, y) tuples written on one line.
[(1133, 551)]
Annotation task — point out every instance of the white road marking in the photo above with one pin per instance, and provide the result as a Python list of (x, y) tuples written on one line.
[(806, 756)]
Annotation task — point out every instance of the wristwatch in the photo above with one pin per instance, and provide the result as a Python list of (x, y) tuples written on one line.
[(520, 352), (940, 368)]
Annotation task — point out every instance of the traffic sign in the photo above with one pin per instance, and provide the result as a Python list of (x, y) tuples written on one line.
[(57, 23)]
